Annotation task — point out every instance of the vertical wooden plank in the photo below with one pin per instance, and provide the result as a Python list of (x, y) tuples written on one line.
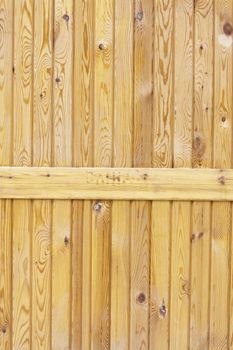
[(183, 80), (83, 113), (83, 116), (23, 82), (101, 217), (203, 84), (42, 107), (142, 157), (120, 275), (100, 296), (163, 84), (200, 270), (162, 156), (123, 124), (181, 211), (41, 275), (6, 63), (143, 91), (5, 275), (123, 83), (222, 148), (61, 259), (22, 142), (160, 273), (21, 275), (103, 83), (220, 264), (63, 79), (140, 240), (86, 273), (62, 156), (180, 290), (202, 157), (41, 229)]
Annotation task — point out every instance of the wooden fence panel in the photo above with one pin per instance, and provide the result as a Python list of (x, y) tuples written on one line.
[(116, 176)]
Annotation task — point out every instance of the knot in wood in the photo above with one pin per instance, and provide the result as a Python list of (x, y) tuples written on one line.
[(4, 330), (163, 310), (66, 17), (227, 28), (223, 119), (101, 46), (66, 240), (97, 207), (141, 298), (139, 15), (221, 180), (57, 80)]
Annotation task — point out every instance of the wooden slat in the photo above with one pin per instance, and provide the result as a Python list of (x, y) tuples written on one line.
[(201, 157), (21, 275), (22, 156), (83, 128), (41, 274), (181, 212), (117, 183), (62, 156), (41, 210), (163, 84), (139, 275), (220, 283), (102, 139), (5, 275), (120, 275), (100, 288), (83, 116), (180, 285), (6, 63), (222, 157), (61, 274), (200, 269), (160, 275)]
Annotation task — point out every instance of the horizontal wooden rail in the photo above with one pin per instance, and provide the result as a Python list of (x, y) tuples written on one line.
[(116, 183)]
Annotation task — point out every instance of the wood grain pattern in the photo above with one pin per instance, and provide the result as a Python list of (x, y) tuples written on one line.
[(100, 295), (41, 275), (123, 83), (62, 88), (5, 275), (183, 80), (102, 103), (200, 270), (103, 98), (61, 271), (140, 271), (201, 157), (22, 156), (222, 157), (163, 84), (42, 156), (6, 81), (83, 89), (21, 275), (143, 91), (180, 283), (160, 275), (120, 270), (6, 107)]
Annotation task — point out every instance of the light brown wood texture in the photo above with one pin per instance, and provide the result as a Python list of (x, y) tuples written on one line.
[(116, 176), (116, 183)]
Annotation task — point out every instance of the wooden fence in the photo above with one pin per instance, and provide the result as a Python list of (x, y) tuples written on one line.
[(105, 242)]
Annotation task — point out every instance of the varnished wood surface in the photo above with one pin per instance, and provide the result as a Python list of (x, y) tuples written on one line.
[(108, 238)]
